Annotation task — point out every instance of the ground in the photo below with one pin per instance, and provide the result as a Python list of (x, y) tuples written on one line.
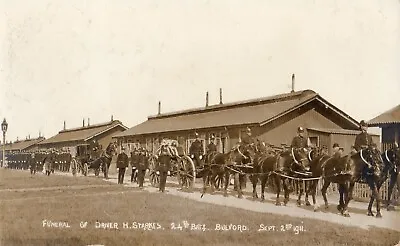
[(29, 203)]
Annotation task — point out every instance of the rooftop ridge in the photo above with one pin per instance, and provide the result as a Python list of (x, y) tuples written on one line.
[(248, 102), (91, 126)]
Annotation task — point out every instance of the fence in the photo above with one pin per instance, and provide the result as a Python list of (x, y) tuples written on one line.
[(361, 191)]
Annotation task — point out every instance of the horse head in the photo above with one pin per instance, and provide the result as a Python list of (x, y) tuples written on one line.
[(372, 157)]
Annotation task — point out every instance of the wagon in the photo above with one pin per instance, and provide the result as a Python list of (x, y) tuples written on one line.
[(80, 163)]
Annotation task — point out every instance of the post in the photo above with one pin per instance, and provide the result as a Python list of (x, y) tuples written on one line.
[(4, 149), (220, 95), (293, 81), (207, 99)]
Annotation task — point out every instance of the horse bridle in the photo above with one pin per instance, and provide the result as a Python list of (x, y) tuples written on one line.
[(294, 158)]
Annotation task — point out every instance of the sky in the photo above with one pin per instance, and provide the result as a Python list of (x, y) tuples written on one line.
[(69, 60)]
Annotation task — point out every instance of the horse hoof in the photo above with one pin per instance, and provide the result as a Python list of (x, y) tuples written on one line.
[(326, 206), (298, 203), (370, 213), (225, 194), (262, 199), (240, 196), (339, 208), (278, 204), (308, 203), (346, 214), (378, 215)]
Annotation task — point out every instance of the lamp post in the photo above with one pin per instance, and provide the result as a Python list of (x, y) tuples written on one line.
[(4, 127)]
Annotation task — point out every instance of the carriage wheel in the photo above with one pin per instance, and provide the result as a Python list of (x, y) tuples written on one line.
[(153, 176), (186, 172), (219, 182), (74, 166)]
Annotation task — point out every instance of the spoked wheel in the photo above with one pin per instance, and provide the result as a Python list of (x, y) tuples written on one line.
[(219, 182), (186, 172), (154, 177)]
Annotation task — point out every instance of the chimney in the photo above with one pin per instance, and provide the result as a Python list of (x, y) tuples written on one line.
[(83, 122), (207, 99), (293, 81), (112, 118), (29, 136), (159, 107), (220, 95), (65, 126), (88, 121)]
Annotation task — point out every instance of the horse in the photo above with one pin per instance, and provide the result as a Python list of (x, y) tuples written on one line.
[(391, 159), (281, 167), (238, 161), (104, 161), (351, 169)]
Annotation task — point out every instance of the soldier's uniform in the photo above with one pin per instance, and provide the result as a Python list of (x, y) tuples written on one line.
[(211, 147), (363, 139), (247, 139), (299, 141), (142, 165), (122, 164), (164, 163), (134, 164), (32, 163), (196, 150)]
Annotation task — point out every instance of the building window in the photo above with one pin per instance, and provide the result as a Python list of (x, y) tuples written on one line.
[(314, 141)]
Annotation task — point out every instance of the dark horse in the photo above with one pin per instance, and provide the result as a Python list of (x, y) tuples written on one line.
[(238, 161), (281, 167), (104, 161), (363, 167), (391, 159)]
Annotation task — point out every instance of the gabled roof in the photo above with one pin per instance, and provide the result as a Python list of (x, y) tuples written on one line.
[(22, 144), (258, 111), (338, 131), (392, 116), (83, 133)]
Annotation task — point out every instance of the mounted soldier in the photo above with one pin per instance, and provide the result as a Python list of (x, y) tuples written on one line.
[(300, 146), (196, 151), (363, 140)]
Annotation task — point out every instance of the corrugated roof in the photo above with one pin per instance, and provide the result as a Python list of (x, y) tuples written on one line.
[(392, 116), (82, 133), (23, 144), (338, 131), (256, 111)]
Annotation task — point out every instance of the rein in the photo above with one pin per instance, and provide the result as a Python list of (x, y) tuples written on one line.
[(362, 158)]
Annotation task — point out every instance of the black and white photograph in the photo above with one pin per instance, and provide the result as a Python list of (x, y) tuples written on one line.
[(200, 122)]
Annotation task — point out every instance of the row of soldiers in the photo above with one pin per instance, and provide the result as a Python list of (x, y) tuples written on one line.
[(34, 160)]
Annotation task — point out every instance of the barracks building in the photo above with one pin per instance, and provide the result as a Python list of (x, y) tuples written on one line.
[(272, 119)]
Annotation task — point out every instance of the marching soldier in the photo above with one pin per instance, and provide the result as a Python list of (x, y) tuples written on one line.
[(142, 165), (164, 161), (122, 164), (196, 150), (363, 140), (32, 163)]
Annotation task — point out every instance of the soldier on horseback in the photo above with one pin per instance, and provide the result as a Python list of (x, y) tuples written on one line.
[(363, 140), (300, 144)]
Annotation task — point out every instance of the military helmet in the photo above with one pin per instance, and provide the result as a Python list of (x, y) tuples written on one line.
[(248, 129), (363, 123), (300, 129), (196, 134), (212, 136)]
